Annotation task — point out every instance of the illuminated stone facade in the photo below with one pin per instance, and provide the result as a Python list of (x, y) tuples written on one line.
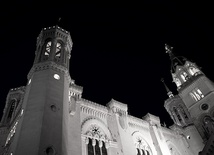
[(49, 116)]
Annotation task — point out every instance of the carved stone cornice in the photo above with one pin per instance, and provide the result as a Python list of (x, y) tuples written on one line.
[(137, 122), (93, 109), (117, 107), (50, 65)]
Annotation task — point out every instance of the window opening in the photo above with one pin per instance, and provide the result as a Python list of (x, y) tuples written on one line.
[(58, 49), (48, 48)]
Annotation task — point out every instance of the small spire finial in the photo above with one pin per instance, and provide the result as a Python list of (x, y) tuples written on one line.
[(169, 93), (57, 23), (169, 51), (168, 48)]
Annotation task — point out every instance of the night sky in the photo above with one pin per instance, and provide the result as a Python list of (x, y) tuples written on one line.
[(118, 49)]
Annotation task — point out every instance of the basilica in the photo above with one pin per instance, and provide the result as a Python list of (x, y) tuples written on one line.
[(48, 116)]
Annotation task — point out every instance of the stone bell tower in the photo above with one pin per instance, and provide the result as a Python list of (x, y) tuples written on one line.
[(196, 95), (192, 108), (49, 109)]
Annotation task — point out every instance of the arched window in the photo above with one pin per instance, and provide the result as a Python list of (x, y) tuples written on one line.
[(141, 145), (184, 76), (96, 141), (208, 125), (177, 82), (138, 151), (193, 96), (196, 94), (177, 114), (96, 147), (48, 48), (58, 49), (50, 151), (104, 150), (193, 70), (183, 112), (12, 107), (90, 147)]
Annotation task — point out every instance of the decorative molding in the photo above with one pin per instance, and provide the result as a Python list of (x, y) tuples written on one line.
[(137, 122), (140, 142), (93, 109), (90, 121), (118, 107), (50, 65)]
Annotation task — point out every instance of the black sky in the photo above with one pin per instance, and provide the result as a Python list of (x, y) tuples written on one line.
[(118, 49)]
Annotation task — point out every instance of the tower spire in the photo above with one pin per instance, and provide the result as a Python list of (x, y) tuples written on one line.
[(175, 60), (169, 93), (169, 51)]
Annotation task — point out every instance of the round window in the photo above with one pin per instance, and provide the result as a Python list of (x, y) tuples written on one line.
[(53, 108), (207, 119), (204, 106), (50, 150)]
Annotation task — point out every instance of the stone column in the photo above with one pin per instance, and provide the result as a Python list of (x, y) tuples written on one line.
[(85, 142), (107, 148), (93, 144)]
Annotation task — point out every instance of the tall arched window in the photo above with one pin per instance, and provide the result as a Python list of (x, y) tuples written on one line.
[(183, 112), (104, 150), (90, 147), (96, 147), (141, 145), (12, 107), (196, 94), (177, 114), (48, 48), (193, 70), (184, 76), (96, 141), (209, 125), (138, 151), (58, 49), (177, 82), (147, 152)]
